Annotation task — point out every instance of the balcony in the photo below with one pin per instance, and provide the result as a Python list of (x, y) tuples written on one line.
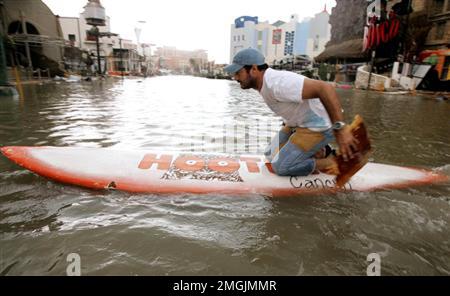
[(439, 10)]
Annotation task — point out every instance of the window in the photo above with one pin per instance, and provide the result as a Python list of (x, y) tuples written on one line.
[(89, 36), (316, 43), (440, 30), (239, 37), (72, 39), (234, 38), (243, 37), (438, 6), (288, 43)]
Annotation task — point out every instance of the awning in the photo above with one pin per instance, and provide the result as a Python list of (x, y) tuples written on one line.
[(40, 39), (350, 49)]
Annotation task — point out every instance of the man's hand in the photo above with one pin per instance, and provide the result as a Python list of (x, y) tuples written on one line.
[(347, 143)]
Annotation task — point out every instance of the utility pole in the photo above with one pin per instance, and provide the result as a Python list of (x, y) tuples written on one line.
[(3, 74), (138, 30), (405, 51), (371, 69), (6, 90), (97, 43), (27, 46), (94, 13), (121, 58)]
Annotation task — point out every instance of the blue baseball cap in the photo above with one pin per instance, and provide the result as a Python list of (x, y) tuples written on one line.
[(248, 56)]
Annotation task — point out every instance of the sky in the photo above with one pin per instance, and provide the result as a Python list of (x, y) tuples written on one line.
[(190, 25)]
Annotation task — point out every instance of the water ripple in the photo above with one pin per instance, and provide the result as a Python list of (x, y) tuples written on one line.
[(117, 233)]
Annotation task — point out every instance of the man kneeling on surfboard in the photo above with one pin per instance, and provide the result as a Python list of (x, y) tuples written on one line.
[(311, 112)]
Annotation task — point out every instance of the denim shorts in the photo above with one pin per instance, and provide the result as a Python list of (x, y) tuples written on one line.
[(291, 152)]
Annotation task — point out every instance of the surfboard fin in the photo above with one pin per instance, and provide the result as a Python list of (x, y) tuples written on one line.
[(348, 168)]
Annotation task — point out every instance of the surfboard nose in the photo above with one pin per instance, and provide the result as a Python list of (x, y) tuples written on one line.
[(9, 151)]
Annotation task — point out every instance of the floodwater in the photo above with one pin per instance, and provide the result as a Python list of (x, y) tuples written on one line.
[(116, 233)]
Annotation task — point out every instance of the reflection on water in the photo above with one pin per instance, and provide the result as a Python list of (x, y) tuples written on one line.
[(118, 233)]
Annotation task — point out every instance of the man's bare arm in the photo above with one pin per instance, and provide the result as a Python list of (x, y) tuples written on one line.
[(327, 94)]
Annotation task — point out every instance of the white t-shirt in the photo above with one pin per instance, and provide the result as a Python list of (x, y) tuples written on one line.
[(282, 92)]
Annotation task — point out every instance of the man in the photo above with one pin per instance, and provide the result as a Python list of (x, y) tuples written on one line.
[(311, 112)]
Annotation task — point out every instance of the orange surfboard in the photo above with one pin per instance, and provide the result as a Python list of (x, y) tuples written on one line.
[(175, 172)]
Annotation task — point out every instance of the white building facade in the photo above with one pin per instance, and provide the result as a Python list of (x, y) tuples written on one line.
[(281, 40), (243, 34), (319, 34), (289, 34), (182, 61), (76, 32)]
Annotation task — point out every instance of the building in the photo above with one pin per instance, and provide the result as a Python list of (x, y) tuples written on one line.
[(308, 37), (421, 50), (437, 43), (36, 34), (319, 34), (347, 31), (117, 56), (78, 33), (303, 34), (181, 61), (267, 38), (268, 41), (281, 40), (243, 34), (289, 35), (428, 22), (124, 58), (438, 12)]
